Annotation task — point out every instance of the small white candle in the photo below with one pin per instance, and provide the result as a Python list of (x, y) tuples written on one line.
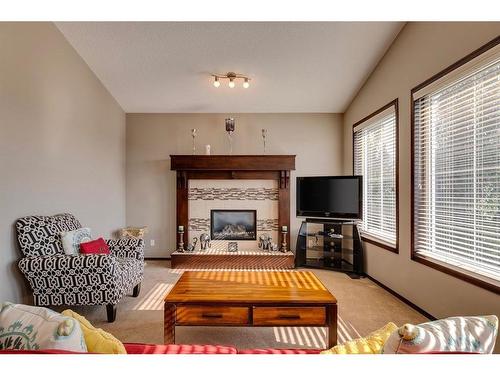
[(284, 228), (207, 149), (181, 228)]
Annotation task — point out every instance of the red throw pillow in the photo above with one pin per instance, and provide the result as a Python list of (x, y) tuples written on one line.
[(98, 246)]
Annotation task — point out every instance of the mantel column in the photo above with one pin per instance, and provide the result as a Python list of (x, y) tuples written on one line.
[(182, 205), (284, 205)]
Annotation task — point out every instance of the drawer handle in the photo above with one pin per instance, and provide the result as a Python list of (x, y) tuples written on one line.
[(288, 317), (211, 315)]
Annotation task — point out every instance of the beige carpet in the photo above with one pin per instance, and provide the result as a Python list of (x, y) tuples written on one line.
[(363, 307)]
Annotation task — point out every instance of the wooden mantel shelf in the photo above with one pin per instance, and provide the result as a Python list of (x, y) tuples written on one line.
[(232, 162)]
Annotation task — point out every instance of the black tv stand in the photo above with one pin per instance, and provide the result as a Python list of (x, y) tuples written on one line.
[(333, 244)]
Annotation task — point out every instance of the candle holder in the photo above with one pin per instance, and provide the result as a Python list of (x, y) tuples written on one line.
[(193, 134), (230, 130), (180, 247), (264, 134), (284, 231)]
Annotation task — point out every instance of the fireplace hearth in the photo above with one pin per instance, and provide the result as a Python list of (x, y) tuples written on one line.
[(233, 225)]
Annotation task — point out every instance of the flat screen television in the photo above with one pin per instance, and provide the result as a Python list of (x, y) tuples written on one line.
[(331, 197)]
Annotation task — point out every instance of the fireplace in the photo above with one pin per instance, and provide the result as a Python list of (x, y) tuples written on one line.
[(233, 225)]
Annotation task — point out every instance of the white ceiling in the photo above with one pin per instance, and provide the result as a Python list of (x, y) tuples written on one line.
[(294, 66)]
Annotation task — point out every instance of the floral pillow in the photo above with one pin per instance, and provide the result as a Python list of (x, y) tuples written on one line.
[(24, 327), (470, 334), (71, 240)]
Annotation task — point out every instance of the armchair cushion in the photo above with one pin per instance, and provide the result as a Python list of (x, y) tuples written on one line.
[(41, 235)]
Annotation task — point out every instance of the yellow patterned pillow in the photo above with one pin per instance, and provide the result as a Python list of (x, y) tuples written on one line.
[(97, 340), (371, 344)]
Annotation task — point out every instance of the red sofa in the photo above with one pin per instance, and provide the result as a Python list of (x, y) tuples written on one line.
[(136, 348)]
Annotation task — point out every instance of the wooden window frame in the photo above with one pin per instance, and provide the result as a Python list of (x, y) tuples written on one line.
[(394, 103), (430, 262)]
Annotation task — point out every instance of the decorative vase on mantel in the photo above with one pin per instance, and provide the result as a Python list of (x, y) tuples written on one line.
[(230, 129)]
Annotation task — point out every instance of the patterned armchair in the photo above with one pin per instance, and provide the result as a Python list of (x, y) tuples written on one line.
[(60, 279)]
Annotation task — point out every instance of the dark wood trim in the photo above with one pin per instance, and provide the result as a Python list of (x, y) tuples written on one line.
[(459, 63), (233, 261), (394, 103), (380, 110), (267, 167), (232, 175), (414, 256), (233, 162), (159, 258), (380, 244), (401, 298), (456, 273)]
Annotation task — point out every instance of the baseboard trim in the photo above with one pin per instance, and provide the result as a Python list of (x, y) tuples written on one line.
[(156, 258), (403, 299)]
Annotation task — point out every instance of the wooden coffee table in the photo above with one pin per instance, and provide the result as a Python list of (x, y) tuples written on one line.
[(250, 299)]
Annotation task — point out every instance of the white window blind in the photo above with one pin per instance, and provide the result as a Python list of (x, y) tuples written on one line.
[(375, 160), (457, 171)]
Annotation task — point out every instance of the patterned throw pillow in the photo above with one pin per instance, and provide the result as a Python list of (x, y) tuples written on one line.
[(71, 240), (97, 340), (371, 344), (25, 327), (471, 334)]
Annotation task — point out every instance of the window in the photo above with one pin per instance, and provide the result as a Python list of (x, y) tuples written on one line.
[(376, 159), (456, 170)]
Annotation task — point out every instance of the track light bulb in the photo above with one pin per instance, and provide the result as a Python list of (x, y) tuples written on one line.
[(231, 83), (216, 82), (246, 84)]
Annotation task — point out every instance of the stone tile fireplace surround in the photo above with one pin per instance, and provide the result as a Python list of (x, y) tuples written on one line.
[(207, 195)]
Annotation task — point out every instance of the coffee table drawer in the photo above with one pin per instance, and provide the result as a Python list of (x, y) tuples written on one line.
[(288, 316), (211, 315)]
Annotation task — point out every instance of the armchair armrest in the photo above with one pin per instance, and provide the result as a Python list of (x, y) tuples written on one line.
[(127, 247), (61, 264)]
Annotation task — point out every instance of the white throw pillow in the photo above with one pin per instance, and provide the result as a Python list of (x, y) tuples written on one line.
[(71, 240), (471, 334), (24, 327)]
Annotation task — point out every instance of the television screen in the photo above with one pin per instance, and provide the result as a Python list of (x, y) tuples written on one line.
[(333, 197)]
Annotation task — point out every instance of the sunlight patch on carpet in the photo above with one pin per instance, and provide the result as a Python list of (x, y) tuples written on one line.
[(314, 337), (308, 337), (153, 300)]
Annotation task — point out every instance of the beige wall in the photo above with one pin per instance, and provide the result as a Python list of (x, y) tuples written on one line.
[(420, 51), (62, 141), (316, 139)]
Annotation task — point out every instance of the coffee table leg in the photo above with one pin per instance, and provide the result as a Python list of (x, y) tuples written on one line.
[(332, 325), (169, 324)]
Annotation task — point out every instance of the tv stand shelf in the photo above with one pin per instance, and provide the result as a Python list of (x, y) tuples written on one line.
[(330, 244)]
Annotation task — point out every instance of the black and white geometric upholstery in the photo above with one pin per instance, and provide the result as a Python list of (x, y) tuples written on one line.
[(40, 235), (60, 279)]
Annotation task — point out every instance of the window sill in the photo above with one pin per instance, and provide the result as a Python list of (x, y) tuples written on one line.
[(392, 248), (457, 273)]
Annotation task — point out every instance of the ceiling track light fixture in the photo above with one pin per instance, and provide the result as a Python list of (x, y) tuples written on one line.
[(231, 77)]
